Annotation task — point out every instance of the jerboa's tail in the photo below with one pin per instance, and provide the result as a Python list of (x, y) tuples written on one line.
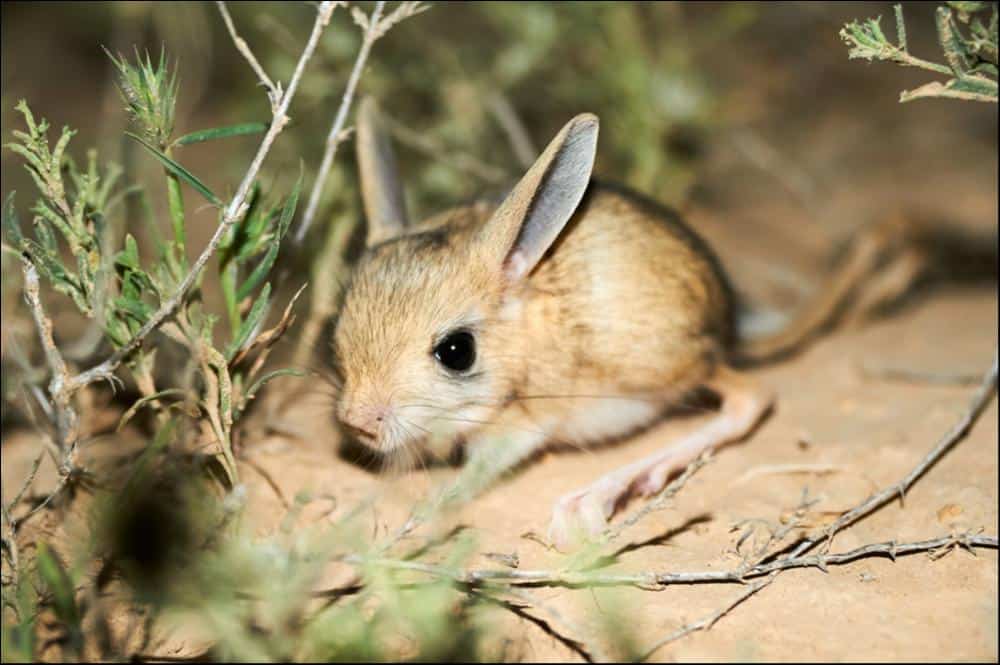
[(880, 264)]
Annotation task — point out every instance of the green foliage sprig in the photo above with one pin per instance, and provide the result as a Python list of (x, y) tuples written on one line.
[(108, 280), (970, 54)]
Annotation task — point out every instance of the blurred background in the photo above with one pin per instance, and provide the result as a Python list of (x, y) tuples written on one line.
[(691, 96)]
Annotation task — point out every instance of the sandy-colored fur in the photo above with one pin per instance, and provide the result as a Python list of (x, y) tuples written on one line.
[(625, 309)]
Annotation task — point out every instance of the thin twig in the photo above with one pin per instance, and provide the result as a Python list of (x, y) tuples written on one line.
[(59, 384), (706, 622), (430, 146), (233, 212), (660, 501), (510, 122), (819, 469), (891, 548), (269, 479), (595, 652), (334, 138), (957, 433), (573, 644), (921, 376), (651, 580), (936, 547), (8, 544), (66, 471), (61, 395), (28, 480), (273, 90)]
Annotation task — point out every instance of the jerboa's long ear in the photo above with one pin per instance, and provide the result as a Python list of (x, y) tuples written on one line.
[(531, 217), (381, 189)]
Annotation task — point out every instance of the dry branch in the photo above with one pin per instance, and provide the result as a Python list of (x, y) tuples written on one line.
[(273, 90), (660, 501), (906, 375), (957, 433), (652, 580), (335, 136), (706, 622), (521, 610), (60, 391)]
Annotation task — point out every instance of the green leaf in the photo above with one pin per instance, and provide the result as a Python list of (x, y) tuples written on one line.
[(135, 309), (128, 257), (952, 42), (45, 235), (60, 585), (62, 280), (250, 323), (251, 236), (178, 170), (259, 383), (117, 331), (222, 133), (132, 410), (969, 88), (11, 224), (264, 267)]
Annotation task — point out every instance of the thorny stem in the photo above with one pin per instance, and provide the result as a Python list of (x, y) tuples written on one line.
[(652, 580), (234, 212), (335, 136), (953, 436)]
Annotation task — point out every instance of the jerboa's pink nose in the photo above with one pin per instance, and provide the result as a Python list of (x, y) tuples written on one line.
[(365, 421)]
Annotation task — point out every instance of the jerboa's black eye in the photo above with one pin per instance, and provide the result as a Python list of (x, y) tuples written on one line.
[(457, 351)]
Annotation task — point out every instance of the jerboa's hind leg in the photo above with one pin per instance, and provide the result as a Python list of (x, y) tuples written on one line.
[(586, 511)]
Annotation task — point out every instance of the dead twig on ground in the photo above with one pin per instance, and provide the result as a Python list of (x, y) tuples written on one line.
[(660, 501), (706, 622), (936, 547), (652, 580), (958, 432), (576, 646), (906, 375)]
